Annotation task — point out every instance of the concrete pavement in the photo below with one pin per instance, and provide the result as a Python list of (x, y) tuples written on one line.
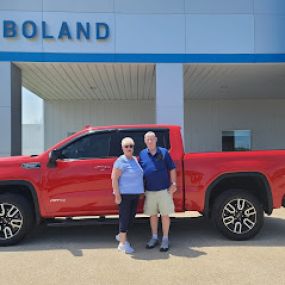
[(198, 255)]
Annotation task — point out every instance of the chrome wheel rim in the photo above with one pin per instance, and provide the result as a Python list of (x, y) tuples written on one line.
[(239, 216), (11, 221)]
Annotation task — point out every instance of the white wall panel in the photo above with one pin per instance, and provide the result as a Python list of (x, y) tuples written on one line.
[(169, 94), (5, 101), (219, 6), (55, 19), (269, 33), (35, 145), (21, 5), (5, 130), (206, 119), (62, 117), (205, 26), (96, 6), (269, 6), (219, 34), (20, 43), (150, 33), (10, 109), (149, 6)]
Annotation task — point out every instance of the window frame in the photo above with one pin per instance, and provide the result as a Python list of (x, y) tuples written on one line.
[(76, 139), (113, 133), (143, 131), (235, 136)]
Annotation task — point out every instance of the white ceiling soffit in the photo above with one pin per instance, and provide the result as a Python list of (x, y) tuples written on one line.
[(71, 81), (234, 81)]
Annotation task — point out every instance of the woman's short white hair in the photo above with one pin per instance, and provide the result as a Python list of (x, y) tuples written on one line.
[(127, 140)]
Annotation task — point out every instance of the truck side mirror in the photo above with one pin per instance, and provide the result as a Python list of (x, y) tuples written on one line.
[(53, 156)]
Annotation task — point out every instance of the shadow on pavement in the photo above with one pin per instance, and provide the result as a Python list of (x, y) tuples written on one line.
[(188, 238)]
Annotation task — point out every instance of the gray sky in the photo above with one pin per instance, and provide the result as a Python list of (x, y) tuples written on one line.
[(32, 108)]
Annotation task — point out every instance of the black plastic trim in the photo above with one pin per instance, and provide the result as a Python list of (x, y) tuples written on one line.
[(32, 191), (88, 133), (269, 209), (143, 129)]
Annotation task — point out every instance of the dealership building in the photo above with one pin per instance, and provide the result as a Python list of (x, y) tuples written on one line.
[(214, 67)]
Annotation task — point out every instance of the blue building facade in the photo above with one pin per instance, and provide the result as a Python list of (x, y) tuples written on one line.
[(175, 42)]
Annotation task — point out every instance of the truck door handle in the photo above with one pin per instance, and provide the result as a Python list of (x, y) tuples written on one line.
[(102, 167)]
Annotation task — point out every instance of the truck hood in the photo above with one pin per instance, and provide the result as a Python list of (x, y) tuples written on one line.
[(15, 160)]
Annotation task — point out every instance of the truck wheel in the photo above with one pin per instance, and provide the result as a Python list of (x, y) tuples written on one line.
[(237, 214), (16, 218)]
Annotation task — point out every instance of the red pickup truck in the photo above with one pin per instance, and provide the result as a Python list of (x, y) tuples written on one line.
[(72, 179)]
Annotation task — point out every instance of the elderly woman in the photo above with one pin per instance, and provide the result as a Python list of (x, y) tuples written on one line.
[(127, 183)]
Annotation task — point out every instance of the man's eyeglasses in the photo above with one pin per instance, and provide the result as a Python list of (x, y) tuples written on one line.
[(129, 146)]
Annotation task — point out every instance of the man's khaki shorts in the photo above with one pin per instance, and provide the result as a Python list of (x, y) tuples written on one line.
[(158, 202)]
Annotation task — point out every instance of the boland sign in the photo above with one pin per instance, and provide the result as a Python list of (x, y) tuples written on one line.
[(30, 30)]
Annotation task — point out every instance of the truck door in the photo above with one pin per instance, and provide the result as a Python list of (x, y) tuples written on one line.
[(81, 181)]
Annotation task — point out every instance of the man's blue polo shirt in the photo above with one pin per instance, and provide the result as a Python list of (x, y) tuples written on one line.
[(156, 168)]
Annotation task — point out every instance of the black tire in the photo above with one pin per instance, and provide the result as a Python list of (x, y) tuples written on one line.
[(16, 218), (237, 214)]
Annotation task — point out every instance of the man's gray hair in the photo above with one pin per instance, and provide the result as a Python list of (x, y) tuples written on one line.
[(149, 134)]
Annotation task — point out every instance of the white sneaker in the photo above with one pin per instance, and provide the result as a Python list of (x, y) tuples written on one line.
[(126, 248), (117, 237)]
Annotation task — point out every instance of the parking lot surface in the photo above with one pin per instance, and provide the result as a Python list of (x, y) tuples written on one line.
[(87, 254)]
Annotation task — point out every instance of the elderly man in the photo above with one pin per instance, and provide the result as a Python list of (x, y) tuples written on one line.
[(160, 184)]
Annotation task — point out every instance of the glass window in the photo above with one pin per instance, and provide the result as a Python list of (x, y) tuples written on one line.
[(138, 136), (236, 140), (90, 146)]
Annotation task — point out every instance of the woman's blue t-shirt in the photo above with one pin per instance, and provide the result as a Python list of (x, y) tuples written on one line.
[(131, 179)]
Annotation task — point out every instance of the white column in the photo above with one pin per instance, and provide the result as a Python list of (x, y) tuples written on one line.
[(10, 109), (170, 94)]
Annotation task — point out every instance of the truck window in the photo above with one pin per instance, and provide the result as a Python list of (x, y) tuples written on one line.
[(138, 136), (90, 146)]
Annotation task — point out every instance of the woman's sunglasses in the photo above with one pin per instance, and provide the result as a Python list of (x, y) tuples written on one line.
[(129, 146)]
